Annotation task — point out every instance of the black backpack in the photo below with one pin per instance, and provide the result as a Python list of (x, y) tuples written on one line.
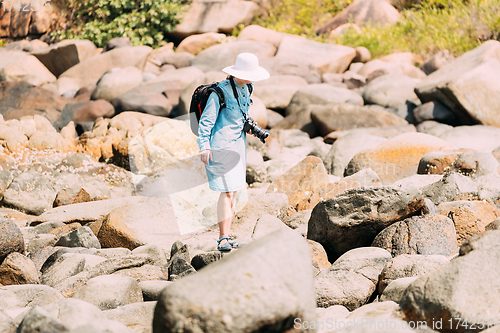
[(199, 102)]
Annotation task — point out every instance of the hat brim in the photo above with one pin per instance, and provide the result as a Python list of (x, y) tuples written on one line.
[(256, 75)]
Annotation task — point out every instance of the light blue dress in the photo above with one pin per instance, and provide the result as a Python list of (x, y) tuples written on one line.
[(222, 132)]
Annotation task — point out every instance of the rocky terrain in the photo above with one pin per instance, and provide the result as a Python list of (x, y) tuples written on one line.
[(376, 200)]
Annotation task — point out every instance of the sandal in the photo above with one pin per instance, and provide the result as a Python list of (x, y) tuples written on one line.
[(227, 246), (236, 245)]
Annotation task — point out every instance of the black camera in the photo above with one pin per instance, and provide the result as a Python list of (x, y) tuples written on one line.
[(258, 131)]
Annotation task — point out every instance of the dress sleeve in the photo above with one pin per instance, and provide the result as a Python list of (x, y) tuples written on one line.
[(207, 121)]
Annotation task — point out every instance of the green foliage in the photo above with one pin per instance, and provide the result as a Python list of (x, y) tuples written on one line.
[(426, 27), (145, 22), (301, 17)]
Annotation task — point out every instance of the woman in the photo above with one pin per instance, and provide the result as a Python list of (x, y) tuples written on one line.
[(222, 141)]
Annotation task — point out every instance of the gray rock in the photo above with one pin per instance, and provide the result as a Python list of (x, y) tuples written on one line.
[(178, 59), (70, 285), (320, 94), (102, 326), (151, 290), (59, 252), (216, 57), (352, 278), (201, 260), (332, 117), (41, 241), (137, 316), (278, 90), (267, 224), (116, 82), (434, 110), (396, 288), (41, 255), (256, 300), (418, 181), (409, 265), (354, 217), (437, 61), (6, 178), (292, 65), (478, 137), (328, 58), (390, 90), (81, 237), (433, 297), (7, 324), (74, 313), (18, 269), (39, 320), (451, 187), (296, 220), (467, 85), (65, 266), (475, 164), (30, 192), (179, 249), (345, 148), (117, 42), (110, 291), (27, 295), (154, 251), (145, 272), (429, 234), (334, 312), (11, 238), (114, 253), (179, 265)]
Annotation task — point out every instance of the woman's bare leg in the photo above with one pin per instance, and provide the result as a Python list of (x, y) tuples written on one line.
[(225, 212)]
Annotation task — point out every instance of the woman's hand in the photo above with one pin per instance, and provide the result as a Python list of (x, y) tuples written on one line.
[(205, 156)]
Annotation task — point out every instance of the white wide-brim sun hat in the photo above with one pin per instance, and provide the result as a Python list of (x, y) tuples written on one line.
[(247, 68)]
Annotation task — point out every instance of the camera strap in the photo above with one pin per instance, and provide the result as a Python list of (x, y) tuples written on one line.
[(235, 92)]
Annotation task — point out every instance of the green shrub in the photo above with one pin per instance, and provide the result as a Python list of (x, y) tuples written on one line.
[(426, 28), (145, 22)]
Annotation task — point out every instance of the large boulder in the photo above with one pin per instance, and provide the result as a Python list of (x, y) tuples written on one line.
[(428, 234), (406, 265), (321, 94), (254, 299), (346, 147), (329, 118), (61, 56), (117, 81), (354, 217), (11, 238), (300, 181), (470, 217), (374, 12), (467, 85), (473, 275), (219, 56), (20, 66), (352, 278), (478, 137), (390, 91), (110, 291), (328, 58), (196, 43), (261, 34), (27, 295), (124, 227), (278, 90), (18, 269), (89, 71), (292, 64), (397, 158), (205, 17)]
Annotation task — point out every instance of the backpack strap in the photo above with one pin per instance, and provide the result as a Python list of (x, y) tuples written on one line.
[(220, 94), (233, 85)]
